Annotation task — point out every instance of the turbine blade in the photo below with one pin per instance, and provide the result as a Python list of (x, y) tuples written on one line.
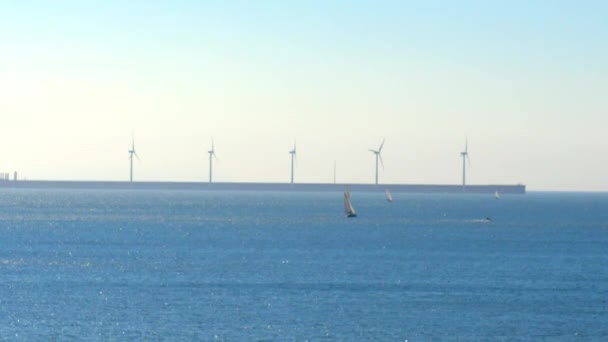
[(136, 156), (373, 151), (381, 145), (468, 159), (381, 162)]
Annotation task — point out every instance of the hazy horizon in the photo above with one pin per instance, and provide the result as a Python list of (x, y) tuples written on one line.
[(524, 82)]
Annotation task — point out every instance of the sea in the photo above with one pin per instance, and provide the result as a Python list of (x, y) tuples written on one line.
[(117, 265)]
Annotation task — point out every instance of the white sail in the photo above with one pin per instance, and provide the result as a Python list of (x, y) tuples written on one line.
[(496, 195), (348, 207), (388, 195)]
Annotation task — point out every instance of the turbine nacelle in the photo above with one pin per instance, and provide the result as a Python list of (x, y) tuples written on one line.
[(465, 154), (379, 150), (132, 150), (212, 150), (293, 151)]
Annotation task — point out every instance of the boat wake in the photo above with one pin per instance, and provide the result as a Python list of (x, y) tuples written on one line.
[(484, 220)]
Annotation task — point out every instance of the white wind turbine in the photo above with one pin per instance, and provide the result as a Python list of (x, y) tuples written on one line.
[(465, 158), (131, 154), (378, 156), (211, 156), (293, 157), (334, 172)]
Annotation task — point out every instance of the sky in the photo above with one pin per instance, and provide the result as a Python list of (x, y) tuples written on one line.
[(524, 81)]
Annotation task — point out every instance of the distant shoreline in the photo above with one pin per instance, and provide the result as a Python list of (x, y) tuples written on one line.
[(245, 186)]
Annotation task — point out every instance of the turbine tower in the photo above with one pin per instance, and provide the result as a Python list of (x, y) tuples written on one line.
[(334, 172), (131, 154), (378, 156), (293, 157), (211, 156), (465, 158)]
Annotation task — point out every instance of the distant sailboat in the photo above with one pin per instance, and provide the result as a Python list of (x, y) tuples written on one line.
[(496, 195), (388, 195), (348, 207)]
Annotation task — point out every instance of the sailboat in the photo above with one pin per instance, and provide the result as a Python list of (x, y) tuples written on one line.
[(496, 195), (388, 195), (348, 207)]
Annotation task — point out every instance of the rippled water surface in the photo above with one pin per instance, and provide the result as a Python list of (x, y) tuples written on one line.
[(115, 265)]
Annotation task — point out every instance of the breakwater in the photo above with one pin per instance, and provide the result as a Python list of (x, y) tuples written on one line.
[(246, 186)]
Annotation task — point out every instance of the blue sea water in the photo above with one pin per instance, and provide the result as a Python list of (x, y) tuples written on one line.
[(215, 266)]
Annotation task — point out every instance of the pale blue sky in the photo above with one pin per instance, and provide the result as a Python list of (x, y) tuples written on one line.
[(526, 81)]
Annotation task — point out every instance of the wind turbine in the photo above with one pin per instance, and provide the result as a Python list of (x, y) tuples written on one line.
[(334, 172), (211, 156), (131, 154), (293, 157), (465, 158), (378, 156)]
